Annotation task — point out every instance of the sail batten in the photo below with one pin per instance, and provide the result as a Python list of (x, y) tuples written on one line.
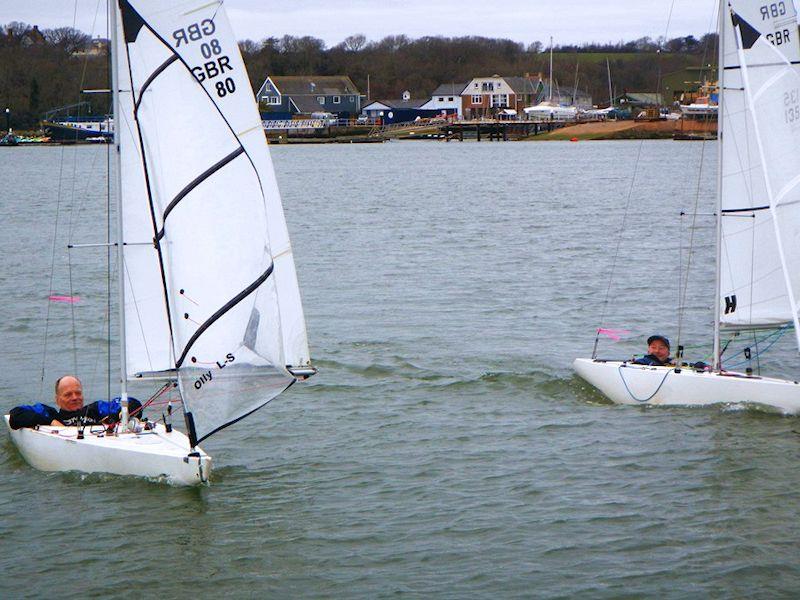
[(230, 317)]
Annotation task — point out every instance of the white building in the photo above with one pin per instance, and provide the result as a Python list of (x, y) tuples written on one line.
[(447, 97)]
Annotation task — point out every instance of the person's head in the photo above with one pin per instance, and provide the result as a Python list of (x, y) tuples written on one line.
[(69, 393), (658, 346)]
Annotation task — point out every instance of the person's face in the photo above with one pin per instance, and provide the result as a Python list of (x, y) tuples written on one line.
[(658, 349), (69, 395)]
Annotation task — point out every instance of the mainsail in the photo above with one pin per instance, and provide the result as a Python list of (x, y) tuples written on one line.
[(210, 284), (760, 182)]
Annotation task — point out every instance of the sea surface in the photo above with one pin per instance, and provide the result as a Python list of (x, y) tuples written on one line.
[(445, 449)]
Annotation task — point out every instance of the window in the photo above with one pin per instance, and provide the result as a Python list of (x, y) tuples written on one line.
[(487, 86), (476, 85), (442, 99), (498, 85), (500, 100), (337, 99), (352, 99), (321, 99), (273, 99), (450, 99), (477, 99)]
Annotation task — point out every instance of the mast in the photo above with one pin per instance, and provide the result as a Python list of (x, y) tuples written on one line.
[(720, 119), (123, 379), (550, 99), (610, 93)]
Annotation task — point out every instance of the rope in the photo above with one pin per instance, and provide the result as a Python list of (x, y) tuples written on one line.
[(627, 389)]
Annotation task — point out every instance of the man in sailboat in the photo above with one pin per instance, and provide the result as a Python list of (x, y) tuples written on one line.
[(657, 352), (70, 411)]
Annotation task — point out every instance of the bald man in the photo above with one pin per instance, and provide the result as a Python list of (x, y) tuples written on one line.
[(70, 411)]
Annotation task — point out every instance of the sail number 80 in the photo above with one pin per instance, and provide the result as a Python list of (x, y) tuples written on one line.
[(225, 87)]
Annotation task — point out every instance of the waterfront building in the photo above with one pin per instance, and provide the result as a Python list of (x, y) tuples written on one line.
[(502, 96), (402, 110), (283, 97), (447, 98)]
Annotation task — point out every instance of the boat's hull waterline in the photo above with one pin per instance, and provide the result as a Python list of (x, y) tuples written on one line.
[(152, 454), (626, 383)]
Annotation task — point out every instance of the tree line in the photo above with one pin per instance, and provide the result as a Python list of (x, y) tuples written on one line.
[(44, 69)]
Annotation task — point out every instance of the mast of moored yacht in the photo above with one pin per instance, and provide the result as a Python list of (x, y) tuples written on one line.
[(550, 99), (123, 379), (610, 92)]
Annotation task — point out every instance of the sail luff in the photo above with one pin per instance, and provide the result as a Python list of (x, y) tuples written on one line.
[(764, 165), (721, 104), (115, 78)]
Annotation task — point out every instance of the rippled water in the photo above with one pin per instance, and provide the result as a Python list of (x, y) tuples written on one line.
[(445, 449)]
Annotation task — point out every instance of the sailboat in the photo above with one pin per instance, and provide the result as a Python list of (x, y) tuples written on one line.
[(207, 281), (549, 109), (758, 218)]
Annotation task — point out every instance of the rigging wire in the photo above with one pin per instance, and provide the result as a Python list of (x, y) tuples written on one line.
[(683, 277), (628, 203)]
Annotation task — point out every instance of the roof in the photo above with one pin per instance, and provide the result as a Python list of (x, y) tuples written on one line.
[(643, 97), (398, 104), (313, 85), (449, 89), (523, 85)]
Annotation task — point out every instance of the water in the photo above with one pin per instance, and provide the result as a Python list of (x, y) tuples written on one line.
[(445, 449)]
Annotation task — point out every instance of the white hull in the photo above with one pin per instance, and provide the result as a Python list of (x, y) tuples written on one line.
[(625, 383), (152, 454)]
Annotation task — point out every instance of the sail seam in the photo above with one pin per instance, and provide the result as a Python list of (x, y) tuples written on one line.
[(194, 183), (775, 64), (751, 209), (150, 80), (229, 305)]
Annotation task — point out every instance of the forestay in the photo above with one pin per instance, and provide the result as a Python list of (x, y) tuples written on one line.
[(759, 195), (216, 295)]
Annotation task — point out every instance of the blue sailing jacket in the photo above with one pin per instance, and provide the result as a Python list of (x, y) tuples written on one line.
[(33, 415)]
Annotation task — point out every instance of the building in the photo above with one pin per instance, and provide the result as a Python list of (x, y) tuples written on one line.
[(638, 100), (494, 96), (403, 110), (447, 98), (282, 97)]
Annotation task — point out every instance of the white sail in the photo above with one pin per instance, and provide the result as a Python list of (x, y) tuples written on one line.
[(759, 196), (205, 181)]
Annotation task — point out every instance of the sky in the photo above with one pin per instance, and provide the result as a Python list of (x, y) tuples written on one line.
[(567, 21)]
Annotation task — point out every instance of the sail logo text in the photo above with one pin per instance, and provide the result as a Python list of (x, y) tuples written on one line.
[(204, 378)]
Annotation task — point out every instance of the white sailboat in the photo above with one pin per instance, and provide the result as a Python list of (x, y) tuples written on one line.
[(758, 216), (549, 110), (209, 292)]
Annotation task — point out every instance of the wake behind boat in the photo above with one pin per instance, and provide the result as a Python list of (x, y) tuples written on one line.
[(206, 277), (758, 218)]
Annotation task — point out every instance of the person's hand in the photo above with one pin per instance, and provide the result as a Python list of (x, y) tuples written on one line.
[(56, 423)]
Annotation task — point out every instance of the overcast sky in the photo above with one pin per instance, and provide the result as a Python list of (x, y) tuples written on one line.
[(568, 21)]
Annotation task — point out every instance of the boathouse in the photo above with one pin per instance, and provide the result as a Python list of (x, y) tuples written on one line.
[(283, 97)]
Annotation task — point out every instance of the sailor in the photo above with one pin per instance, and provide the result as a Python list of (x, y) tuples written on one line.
[(657, 352), (70, 411)]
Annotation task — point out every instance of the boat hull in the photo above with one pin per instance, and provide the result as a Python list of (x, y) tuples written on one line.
[(626, 383), (152, 454)]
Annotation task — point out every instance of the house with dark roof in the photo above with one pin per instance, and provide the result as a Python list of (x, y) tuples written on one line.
[(305, 95), (401, 110), (447, 99)]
